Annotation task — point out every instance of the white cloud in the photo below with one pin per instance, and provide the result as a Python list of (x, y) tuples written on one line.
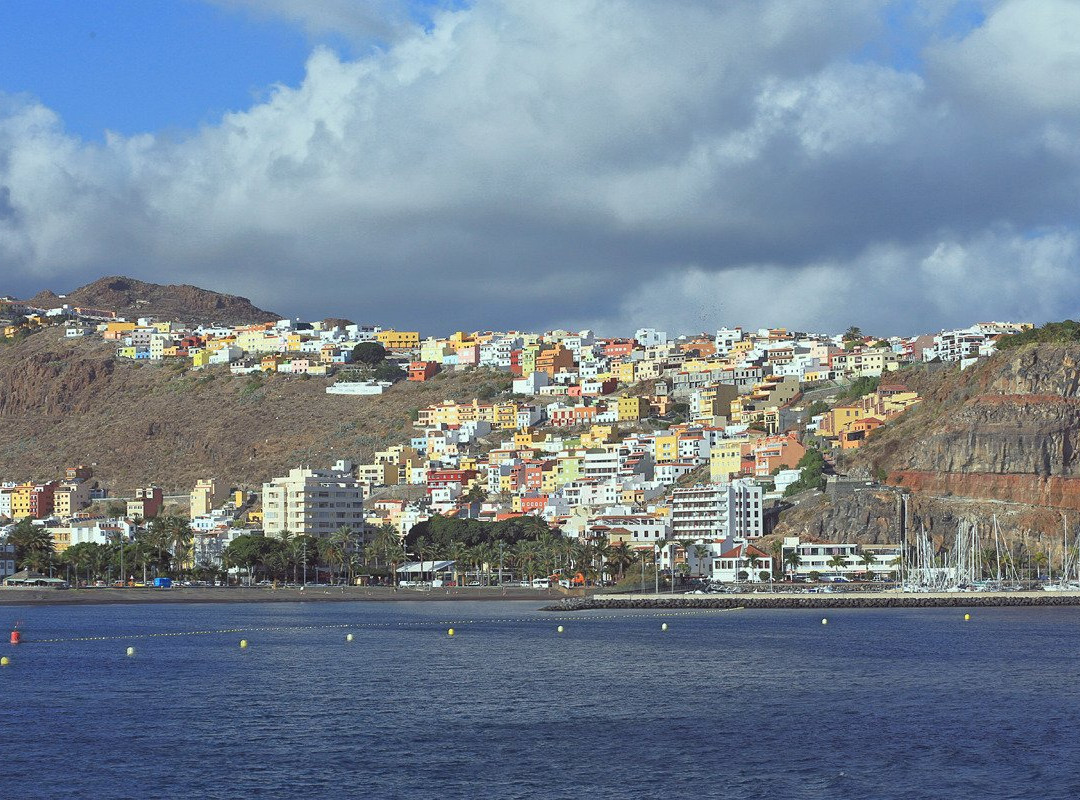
[(518, 163)]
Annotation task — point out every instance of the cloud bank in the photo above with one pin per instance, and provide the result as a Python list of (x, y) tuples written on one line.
[(608, 163)]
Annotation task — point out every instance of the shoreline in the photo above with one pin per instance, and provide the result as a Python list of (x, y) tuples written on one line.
[(260, 594), (761, 600)]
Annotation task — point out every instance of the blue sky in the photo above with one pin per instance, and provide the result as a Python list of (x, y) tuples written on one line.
[(132, 67), (896, 164)]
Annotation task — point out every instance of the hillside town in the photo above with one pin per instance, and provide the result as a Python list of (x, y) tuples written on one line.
[(679, 451)]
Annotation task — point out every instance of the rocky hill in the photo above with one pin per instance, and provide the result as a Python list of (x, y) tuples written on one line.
[(133, 298), (1001, 439), (68, 401)]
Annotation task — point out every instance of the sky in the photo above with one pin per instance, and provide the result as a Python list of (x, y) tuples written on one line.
[(899, 165)]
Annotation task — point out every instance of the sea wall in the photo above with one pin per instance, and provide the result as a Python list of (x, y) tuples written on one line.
[(882, 600)]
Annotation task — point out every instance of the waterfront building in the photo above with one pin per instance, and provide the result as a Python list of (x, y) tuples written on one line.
[(717, 511), (313, 502)]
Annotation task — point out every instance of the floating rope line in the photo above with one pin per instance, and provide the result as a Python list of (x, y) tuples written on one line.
[(402, 624)]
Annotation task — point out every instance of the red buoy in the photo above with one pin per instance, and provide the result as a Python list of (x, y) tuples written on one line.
[(16, 637)]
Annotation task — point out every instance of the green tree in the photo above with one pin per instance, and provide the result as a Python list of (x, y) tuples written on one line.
[(33, 544), (792, 561), (369, 353), (389, 372), (868, 560)]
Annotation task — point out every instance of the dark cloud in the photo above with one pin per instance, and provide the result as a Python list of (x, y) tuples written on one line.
[(524, 164)]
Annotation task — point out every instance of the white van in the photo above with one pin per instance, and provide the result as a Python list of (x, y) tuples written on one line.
[(541, 583)]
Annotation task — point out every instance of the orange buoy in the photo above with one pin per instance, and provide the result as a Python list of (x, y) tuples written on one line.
[(16, 637)]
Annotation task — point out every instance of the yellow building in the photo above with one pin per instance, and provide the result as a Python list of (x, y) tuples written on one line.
[(624, 372), (667, 448), (598, 435), (633, 408), (20, 500), (398, 340), (725, 458), (200, 358)]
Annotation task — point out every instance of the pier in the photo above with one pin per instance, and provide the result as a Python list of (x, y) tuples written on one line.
[(817, 600)]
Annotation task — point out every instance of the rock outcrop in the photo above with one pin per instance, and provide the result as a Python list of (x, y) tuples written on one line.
[(133, 298), (998, 441)]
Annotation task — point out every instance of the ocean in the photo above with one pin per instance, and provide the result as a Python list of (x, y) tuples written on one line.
[(746, 704)]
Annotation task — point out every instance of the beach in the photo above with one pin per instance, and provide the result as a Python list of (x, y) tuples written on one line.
[(262, 594)]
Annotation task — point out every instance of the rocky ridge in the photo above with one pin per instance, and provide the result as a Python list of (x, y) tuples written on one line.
[(131, 298)]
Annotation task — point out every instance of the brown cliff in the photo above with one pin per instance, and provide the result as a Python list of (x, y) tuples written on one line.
[(1001, 439)]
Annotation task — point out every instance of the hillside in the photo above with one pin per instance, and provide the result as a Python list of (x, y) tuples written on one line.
[(68, 401), (1001, 439), (132, 298)]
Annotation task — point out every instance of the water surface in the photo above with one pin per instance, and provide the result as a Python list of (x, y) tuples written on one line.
[(887, 703)]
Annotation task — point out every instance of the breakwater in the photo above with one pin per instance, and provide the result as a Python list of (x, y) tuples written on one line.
[(839, 600)]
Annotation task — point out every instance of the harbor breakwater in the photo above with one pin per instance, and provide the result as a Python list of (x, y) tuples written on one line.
[(839, 600)]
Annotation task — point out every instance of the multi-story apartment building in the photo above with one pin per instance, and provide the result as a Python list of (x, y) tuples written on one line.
[(147, 503), (313, 502), (717, 511)]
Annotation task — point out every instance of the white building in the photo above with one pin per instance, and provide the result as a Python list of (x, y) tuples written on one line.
[(743, 562), (358, 387), (7, 558), (717, 511), (313, 502), (818, 557)]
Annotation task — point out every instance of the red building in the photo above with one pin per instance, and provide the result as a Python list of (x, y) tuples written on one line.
[(422, 370), (41, 500)]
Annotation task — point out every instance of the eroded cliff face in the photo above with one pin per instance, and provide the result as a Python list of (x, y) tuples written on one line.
[(882, 515), (1002, 438)]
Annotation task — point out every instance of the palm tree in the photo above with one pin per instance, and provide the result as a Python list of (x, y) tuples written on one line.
[(701, 554), (621, 557), (31, 541), (344, 542), (793, 561), (388, 546), (868, 560), (776, 550), (837, 562), (1040, 560), (752, 560), (179, 540)]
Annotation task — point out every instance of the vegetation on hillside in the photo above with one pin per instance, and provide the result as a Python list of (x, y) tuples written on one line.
[(1066, 332), (812, 473)]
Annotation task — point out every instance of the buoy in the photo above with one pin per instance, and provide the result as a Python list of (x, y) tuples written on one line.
[(348, 637), (131, 651), (450, 632), (824, 621), (4, 661), (967, 617), (560, 629), (663, 627), (243, 644), (16, 637)]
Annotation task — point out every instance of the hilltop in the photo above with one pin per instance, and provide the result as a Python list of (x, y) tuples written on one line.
[(66, 401), (131, 298)]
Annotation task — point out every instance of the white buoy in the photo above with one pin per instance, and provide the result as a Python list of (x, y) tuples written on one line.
[(131, 651), (560, 629), (663, 627), (348, 637), (824, 621)]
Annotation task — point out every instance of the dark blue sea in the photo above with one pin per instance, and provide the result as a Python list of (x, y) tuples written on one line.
[(748, 704)]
